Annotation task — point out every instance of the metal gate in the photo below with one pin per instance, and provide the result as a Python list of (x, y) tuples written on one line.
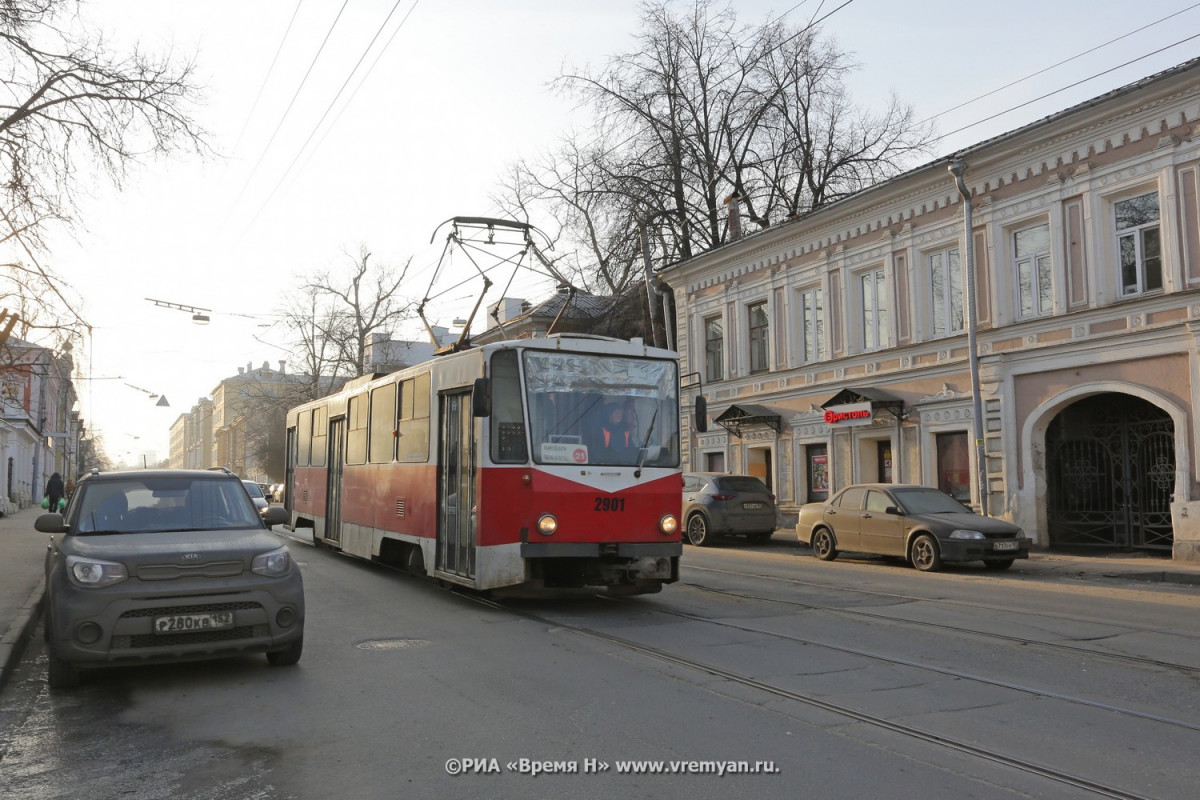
[(1110, 470)]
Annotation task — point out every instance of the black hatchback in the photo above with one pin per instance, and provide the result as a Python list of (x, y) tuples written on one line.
[(716, 504)]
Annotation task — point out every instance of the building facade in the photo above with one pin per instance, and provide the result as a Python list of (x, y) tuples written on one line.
[(41, 430), (835, 348)]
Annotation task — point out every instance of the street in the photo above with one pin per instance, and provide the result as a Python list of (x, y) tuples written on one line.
[(763, 672)]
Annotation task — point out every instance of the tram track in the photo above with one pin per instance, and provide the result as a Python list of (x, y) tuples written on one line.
[(1019, 640), (912, 732), (909, 731)]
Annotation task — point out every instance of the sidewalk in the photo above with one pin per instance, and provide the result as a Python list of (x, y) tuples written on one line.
[(22, 583), (23, 552)]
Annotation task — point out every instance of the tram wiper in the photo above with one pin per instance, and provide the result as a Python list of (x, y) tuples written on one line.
[(637, 473)]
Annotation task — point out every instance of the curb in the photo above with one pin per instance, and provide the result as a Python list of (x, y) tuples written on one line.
[(13, 643)]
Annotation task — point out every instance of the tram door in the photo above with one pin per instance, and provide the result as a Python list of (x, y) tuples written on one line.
[(289, 468), (333, 490), (456, 487)]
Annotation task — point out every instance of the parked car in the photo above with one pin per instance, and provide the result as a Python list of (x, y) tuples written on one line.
[(716, 504), (256, 494), (151, 566), (922, 525)]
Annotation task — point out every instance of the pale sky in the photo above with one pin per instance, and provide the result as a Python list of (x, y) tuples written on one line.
[(460, 91)]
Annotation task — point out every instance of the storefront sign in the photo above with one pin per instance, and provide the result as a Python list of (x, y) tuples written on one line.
[(849, 415)]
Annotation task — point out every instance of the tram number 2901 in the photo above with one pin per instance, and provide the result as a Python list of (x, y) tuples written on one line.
[(610, 504)]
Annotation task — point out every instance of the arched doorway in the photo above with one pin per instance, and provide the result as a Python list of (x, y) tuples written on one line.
[(1110, 470)]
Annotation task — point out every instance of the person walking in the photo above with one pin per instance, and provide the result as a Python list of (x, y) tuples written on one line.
[(54, 491)]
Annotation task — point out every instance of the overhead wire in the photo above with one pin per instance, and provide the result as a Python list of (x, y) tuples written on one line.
[(1065, 88), (267, 77), (287, 171), (292, 103), (1056, 65)]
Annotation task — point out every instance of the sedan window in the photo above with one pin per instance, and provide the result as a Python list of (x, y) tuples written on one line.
[(851, 498), (878, 501)]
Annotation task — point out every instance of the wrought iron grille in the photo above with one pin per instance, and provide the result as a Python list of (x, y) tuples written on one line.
[(1110, 474)]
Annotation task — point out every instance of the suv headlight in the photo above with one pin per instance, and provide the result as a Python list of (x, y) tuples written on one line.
[(92, 573), (274, 564), (960, 534)]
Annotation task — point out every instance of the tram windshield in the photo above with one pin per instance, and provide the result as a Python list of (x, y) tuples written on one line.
[(602, 410)]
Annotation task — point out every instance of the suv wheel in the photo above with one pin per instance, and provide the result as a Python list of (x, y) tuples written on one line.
[(698, 532), (288, 656), (60, 674)]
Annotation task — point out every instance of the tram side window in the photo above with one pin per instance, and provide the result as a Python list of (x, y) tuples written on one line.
[(412, 419), (320, 436), (508, 417), (303, 438), (382, 424), (356, 430)]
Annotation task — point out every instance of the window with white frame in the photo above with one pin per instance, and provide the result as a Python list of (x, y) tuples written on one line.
[(759, 328), (945, 280), (873, 291), (812, 324), (714, 349), (1138, 246), (1031, 251)]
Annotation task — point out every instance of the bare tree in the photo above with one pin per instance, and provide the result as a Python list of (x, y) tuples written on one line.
[(73, 111), (333, 317), (701, 109)]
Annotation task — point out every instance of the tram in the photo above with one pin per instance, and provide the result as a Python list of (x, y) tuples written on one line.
[(492, 467)]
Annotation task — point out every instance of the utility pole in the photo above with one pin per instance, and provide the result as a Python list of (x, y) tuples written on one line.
[(958, 168)]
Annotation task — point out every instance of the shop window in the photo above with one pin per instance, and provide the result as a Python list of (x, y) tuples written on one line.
[(954, 466)]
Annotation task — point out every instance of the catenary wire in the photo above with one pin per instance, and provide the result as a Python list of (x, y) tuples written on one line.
[(267, 77), (287, 171)]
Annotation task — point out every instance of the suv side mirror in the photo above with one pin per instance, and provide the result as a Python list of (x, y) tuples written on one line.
[(50, 523)]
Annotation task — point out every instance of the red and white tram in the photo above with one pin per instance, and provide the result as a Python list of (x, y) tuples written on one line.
[(490, 468)]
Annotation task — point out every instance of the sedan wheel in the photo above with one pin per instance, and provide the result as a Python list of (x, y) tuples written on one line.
[(925, 555), (822, 545)]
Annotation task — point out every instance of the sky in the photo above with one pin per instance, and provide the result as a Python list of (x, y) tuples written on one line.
[(456, 90)]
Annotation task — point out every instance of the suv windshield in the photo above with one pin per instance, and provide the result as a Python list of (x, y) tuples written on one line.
[(160, 503)]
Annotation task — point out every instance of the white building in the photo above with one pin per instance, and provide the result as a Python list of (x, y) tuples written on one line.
[(834, 348)]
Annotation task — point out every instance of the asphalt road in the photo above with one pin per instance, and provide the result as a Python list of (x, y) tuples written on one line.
[(850, 679)]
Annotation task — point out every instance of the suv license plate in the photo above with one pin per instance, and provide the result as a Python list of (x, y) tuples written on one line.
[(1004, 546), (187, 623), (753, 506)]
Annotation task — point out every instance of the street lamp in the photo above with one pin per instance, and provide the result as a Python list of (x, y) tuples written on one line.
[(199, 315), (162, 400), (958, 168)]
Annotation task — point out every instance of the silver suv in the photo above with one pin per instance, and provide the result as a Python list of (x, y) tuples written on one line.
[(167, 565), (715, 503)]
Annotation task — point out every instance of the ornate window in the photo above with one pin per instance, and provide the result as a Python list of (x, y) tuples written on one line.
[(1138, 245)]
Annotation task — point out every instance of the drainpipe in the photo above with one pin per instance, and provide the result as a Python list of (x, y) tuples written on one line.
[(957, 168)]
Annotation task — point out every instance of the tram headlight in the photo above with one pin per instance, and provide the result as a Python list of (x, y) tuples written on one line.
[(668, 524), (547, 524)]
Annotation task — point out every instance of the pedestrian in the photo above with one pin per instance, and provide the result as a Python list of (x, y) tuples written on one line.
[(54, 491)]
